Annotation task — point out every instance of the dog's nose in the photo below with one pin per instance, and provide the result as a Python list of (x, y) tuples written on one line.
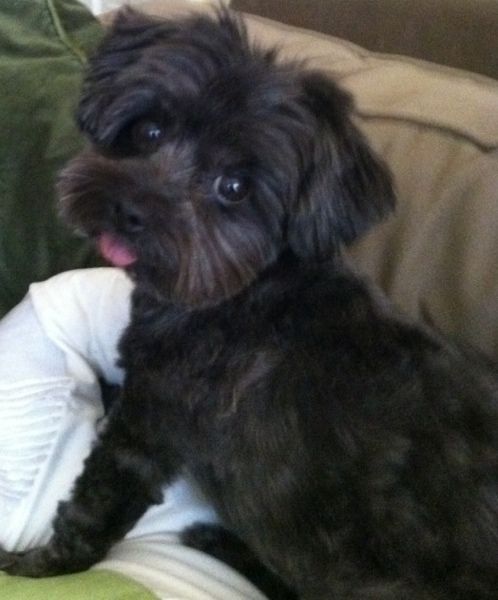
[(127, 217)]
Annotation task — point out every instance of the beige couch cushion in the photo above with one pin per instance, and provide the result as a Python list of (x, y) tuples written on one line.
[(438, 130)]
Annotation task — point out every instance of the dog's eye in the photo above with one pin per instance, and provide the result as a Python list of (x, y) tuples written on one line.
[(231, 188), (147, 135)]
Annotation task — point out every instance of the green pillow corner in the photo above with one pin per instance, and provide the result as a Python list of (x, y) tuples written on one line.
[(95, 584), (44, 45)]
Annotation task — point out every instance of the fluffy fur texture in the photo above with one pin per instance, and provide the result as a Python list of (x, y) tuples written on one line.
[(354, 453)]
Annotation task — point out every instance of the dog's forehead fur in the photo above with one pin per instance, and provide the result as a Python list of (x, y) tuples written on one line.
[(195, 70)]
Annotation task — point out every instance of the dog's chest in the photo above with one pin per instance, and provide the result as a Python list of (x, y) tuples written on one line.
[(208, 376)]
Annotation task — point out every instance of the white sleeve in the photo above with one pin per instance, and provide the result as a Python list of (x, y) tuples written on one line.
[(53, 346), (84, 312), (47, 426)]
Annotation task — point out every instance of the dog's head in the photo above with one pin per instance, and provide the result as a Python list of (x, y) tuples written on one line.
[(209, 159)]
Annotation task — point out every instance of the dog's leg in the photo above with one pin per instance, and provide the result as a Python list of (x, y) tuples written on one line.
[(119, 482), (227, 547)]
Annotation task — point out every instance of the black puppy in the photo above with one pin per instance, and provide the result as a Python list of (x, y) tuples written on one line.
[(354, 453)]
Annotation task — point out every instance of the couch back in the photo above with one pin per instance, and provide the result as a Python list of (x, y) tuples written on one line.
[(457, 33)]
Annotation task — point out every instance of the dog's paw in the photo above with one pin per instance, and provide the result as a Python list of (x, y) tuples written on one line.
[(38, 562), (20, 563), (6, 558), (32, 563)]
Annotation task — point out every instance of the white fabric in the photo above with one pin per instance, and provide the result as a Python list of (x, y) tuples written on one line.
[(53, 348), (175, 572)]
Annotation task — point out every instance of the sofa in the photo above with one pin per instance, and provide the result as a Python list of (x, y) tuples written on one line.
[(435, 125), (456, 33)]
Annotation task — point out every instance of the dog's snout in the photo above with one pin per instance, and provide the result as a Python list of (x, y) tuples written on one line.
[(127, 217)]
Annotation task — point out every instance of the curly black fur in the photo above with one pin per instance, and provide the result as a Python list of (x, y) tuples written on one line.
[(354, 453)]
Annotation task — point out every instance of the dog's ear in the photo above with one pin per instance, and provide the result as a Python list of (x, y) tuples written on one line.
[(346, 187)]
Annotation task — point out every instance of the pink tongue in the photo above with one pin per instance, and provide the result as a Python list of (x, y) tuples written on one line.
[(114, 251)]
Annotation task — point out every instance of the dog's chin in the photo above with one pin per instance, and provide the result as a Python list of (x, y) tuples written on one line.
[(187, 299), (192, 290)]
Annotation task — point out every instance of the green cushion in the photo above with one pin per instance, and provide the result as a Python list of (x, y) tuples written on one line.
[(90, 585), (44, 45)]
